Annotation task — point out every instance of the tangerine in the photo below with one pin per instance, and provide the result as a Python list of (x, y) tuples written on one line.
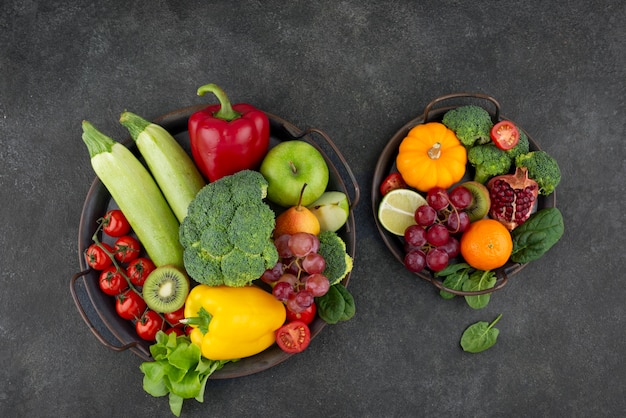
[(486, 244)]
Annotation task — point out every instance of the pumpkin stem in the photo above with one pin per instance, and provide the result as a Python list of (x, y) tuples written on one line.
[(435, 152)]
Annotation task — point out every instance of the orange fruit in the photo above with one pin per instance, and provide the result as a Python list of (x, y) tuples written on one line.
[(486, 244)]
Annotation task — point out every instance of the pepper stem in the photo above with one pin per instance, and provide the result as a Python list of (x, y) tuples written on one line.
[(435, 152), (226, 111)]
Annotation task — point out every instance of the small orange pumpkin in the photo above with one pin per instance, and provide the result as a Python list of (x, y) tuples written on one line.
[(431, 155)]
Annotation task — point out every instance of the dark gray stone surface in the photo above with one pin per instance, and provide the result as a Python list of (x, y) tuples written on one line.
[(359, 71)]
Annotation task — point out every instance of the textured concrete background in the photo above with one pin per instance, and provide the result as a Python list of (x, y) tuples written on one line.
[(359, 71)]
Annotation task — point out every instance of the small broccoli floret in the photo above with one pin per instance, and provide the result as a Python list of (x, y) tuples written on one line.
[(227, 232), (471, 124), (522, 147), (338, 261), (488, 161), (542, 168)]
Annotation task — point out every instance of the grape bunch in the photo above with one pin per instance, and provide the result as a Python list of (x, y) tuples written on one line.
[(434, 240), (297, 278)]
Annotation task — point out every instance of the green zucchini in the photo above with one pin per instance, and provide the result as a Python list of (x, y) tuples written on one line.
[(138, 196), (170, 165)]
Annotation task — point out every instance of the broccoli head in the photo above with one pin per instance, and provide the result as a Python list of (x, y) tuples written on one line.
[(338, 261), (227, 232), (542, 168), (488, 161), (471, 124), (522, 147)]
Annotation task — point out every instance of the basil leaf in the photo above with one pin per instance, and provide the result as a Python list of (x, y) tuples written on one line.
[(480, 336), (537, 235), (331, 306), (479, 280)]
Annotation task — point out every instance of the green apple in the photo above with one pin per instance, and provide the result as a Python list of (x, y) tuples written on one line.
[(331, 209), (288, 166)]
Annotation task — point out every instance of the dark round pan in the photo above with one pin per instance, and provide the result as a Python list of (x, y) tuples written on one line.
[(98, 309)]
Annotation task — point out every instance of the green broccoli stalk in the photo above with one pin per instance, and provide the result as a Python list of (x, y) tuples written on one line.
[(471, 124), (488, 161), (542, 168), (227, 232), (338, 261), (522, 147)]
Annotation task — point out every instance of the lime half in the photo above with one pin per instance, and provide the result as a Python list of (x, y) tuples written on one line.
[(396, 211)]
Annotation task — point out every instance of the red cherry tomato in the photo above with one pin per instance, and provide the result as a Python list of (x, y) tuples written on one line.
[(149, 324), (305, 316), (126, 249), (112, 281), (129, 305), (392, 182), (96, 256), (176, 330), (173, 318), (139, 269), (115, 224), (293, 337), (505, 135)]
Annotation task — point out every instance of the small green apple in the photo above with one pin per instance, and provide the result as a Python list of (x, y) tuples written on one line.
[(331, 209), (289, 165)]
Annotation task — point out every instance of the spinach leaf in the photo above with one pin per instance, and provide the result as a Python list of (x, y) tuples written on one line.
[(350, 308), (480, 336), (455, 275), (537, 235), (479, 280), (336, 305)]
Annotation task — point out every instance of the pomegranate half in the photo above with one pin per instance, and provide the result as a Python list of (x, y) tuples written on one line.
[(512, 197)]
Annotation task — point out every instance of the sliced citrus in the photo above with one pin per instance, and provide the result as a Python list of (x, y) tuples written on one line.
[(396, 211)]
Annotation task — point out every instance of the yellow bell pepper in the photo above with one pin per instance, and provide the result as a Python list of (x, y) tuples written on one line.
[(232, 322)]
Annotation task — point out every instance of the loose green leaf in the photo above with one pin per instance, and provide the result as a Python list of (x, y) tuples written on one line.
[(479, 280), (537, 235), (455, 275), (349, 308), (480, 336), (178, 370), (331, 306)]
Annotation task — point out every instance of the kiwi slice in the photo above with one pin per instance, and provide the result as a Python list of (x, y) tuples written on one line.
[(479, 207), (165, 289)]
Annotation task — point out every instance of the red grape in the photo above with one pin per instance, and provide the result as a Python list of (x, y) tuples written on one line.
[(313, 263), (281, 244), (437, 235), (437, 197), (425, 215), (437, 259), (317, 284), (302, 243), (415, 236), (282, 291), (457, 222), (415, 260), (460, 197), (452, 247)]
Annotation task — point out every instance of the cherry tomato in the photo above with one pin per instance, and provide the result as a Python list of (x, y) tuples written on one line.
[(115, 224), (293, 337), (149, 324), (176, 330), (112, 281), (505, 135), (392, 182), (129, 304), (305, 316), (173, 318), (139, 269), (97, 258), (126, 249)]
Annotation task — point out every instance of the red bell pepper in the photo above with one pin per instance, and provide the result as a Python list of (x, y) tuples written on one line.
[(227, 138)]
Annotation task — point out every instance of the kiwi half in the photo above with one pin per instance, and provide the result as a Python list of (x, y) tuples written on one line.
[(479, 207), (165, 289)]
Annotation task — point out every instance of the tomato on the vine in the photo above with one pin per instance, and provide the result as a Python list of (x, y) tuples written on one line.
[(149, 324), (293, 337), (305, 316), (392, 182), (126, 248), (173, 318), (139, 269), (176, 330), (129, 305), (115, 224), (96, 256), (112, 281), (505, 135)]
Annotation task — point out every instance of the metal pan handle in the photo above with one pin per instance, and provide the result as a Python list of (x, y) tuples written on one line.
[(495, 115), (502, 279), (355, 185), (83, 314)]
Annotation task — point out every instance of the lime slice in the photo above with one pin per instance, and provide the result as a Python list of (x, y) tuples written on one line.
[(396, 211)]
